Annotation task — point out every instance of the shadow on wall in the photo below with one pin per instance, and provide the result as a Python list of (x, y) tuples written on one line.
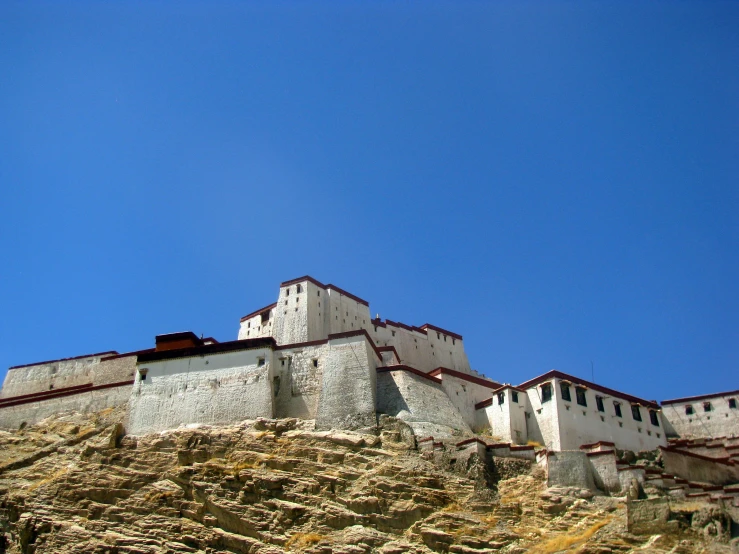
[(390, 400)]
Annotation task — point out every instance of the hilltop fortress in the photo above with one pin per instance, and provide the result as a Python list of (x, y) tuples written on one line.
[(317, 354)]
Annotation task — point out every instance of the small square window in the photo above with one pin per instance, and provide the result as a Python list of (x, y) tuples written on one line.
[(654, 418), (315, 362), (599, 404), (501, 398), (514, 396), (635, 412), (617, 409), (565, 390), (260, 362), (732, 403), (299, 288), (707, 407), (689, 410)]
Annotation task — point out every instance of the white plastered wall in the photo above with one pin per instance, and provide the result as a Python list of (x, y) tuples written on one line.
[(298, 373), (464, 394), (52, 375), (508, 420), (424, 351), (416, 399), (719, 421), (348, 386), (577, 425), (209, 389)]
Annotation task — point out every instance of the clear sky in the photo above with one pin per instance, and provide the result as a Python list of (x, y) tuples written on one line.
[(555, 181)]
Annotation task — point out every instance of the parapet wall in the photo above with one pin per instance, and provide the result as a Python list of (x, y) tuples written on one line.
[(56, 374)]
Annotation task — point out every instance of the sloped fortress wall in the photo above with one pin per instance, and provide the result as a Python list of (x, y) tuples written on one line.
[(84, 384), (173, 389), (347, 397), (418, 400)]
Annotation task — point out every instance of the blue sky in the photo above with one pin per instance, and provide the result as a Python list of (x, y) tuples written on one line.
[(555, 181)]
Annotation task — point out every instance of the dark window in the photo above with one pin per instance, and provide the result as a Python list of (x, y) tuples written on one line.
[(265, 317), (635, 412), (546, 392), (689, 410), (732, 403), (287, 292), (315, 362), (565, 389), (707, 407), (260, 362), (514, 396), (599, 403), (653, 418), (501, 397), (580, 395), (617, 408), (318, 293), (299, 288)]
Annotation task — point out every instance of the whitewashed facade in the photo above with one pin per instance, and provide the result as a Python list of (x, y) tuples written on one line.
[(706, 416)]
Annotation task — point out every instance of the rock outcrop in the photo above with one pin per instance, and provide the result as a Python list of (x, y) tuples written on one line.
[(77, 484)]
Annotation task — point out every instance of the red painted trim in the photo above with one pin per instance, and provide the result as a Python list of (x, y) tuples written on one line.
[(390, 349), (188, 352), (470, 441), (723, 461), (599, 443), (499, 445), (358, 333), (464, 376), (43, 394), (484, 404), (67, 392), (324, 287), (64, 359), (408, 369), (523, 391), (378, 322), (127, 354), (521, 448), (600, 453), (555, 374), (258, 312), (427, 326), (702, 397)]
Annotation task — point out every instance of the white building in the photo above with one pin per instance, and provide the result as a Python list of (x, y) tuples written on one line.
[(316, 353), (563, 412), (707, 416)]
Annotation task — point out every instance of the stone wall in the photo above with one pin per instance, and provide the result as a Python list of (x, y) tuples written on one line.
[(209, 389), (417, 399), (347, 396), (570, 469), (56, 374), (12, 417), (695, 467), (720, 421)]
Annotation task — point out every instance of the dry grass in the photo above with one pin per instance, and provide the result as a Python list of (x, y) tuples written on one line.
[(49, 479), (535, 444), (452, 507), (566, 542), (303, 540)]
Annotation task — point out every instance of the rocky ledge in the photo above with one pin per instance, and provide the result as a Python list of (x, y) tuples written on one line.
[(77, 484)]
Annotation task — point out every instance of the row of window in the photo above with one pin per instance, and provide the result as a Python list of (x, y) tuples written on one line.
[(708, 407), (581, 398)]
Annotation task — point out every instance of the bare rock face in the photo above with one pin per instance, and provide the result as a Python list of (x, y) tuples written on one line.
[(77, 484)]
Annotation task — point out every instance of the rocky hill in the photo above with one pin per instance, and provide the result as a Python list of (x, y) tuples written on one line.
[(76, 484)]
